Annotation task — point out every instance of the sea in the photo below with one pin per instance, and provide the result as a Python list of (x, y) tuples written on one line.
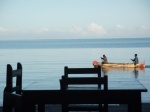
[(43, 60)]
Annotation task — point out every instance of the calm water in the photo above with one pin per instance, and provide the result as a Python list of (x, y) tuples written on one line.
[(44, 60)]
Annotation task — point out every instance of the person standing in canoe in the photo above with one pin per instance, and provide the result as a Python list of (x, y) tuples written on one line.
[(135, 60), (104, 58)]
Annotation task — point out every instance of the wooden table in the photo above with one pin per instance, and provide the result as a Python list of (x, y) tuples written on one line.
[(119, 92)]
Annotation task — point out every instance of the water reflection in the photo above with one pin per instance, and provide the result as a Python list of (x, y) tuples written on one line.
[(135, 71)]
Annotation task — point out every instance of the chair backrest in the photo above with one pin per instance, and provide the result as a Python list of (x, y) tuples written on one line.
[(64, 82), (68, 71), (11, 74), (82, 80)]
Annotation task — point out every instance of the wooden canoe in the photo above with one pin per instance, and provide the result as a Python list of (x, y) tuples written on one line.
[(134, 69), (109, 64)]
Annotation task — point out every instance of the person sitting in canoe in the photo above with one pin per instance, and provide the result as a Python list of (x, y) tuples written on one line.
[(135, 60), (104, 58)]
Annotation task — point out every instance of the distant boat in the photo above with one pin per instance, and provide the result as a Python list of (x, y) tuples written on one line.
[(108, 69), (125, 65)]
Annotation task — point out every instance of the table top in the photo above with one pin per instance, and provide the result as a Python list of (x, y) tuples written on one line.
[(112, 85)]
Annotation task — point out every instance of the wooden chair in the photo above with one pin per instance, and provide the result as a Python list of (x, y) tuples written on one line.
[(99, 81), (66, 81), (69, 71), (82, 71), (12, 98)]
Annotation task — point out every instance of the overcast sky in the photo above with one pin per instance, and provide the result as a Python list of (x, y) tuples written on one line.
[(46, 19)]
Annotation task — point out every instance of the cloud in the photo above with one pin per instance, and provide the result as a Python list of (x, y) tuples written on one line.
[(126, 31), (144, 28), (96, 29), (41, 30), (6, 30), (119, 28), (3, 29), (90, 30), (121, 31)]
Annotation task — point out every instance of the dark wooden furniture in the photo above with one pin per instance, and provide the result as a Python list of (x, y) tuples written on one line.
[(77, 71), (82, 72), (12, 96), (78, 81), (99, 81), (67, 79), (119, 92)]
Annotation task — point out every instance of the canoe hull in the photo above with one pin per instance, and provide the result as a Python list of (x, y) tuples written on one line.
[(107, 69), (130, 65)]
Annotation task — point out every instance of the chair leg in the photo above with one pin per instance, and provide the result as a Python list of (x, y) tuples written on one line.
[(100, 107), (41, 107), (7, 108), (106, 107), (64, 107)]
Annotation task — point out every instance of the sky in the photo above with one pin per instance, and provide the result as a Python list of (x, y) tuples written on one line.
[(59, 19)]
